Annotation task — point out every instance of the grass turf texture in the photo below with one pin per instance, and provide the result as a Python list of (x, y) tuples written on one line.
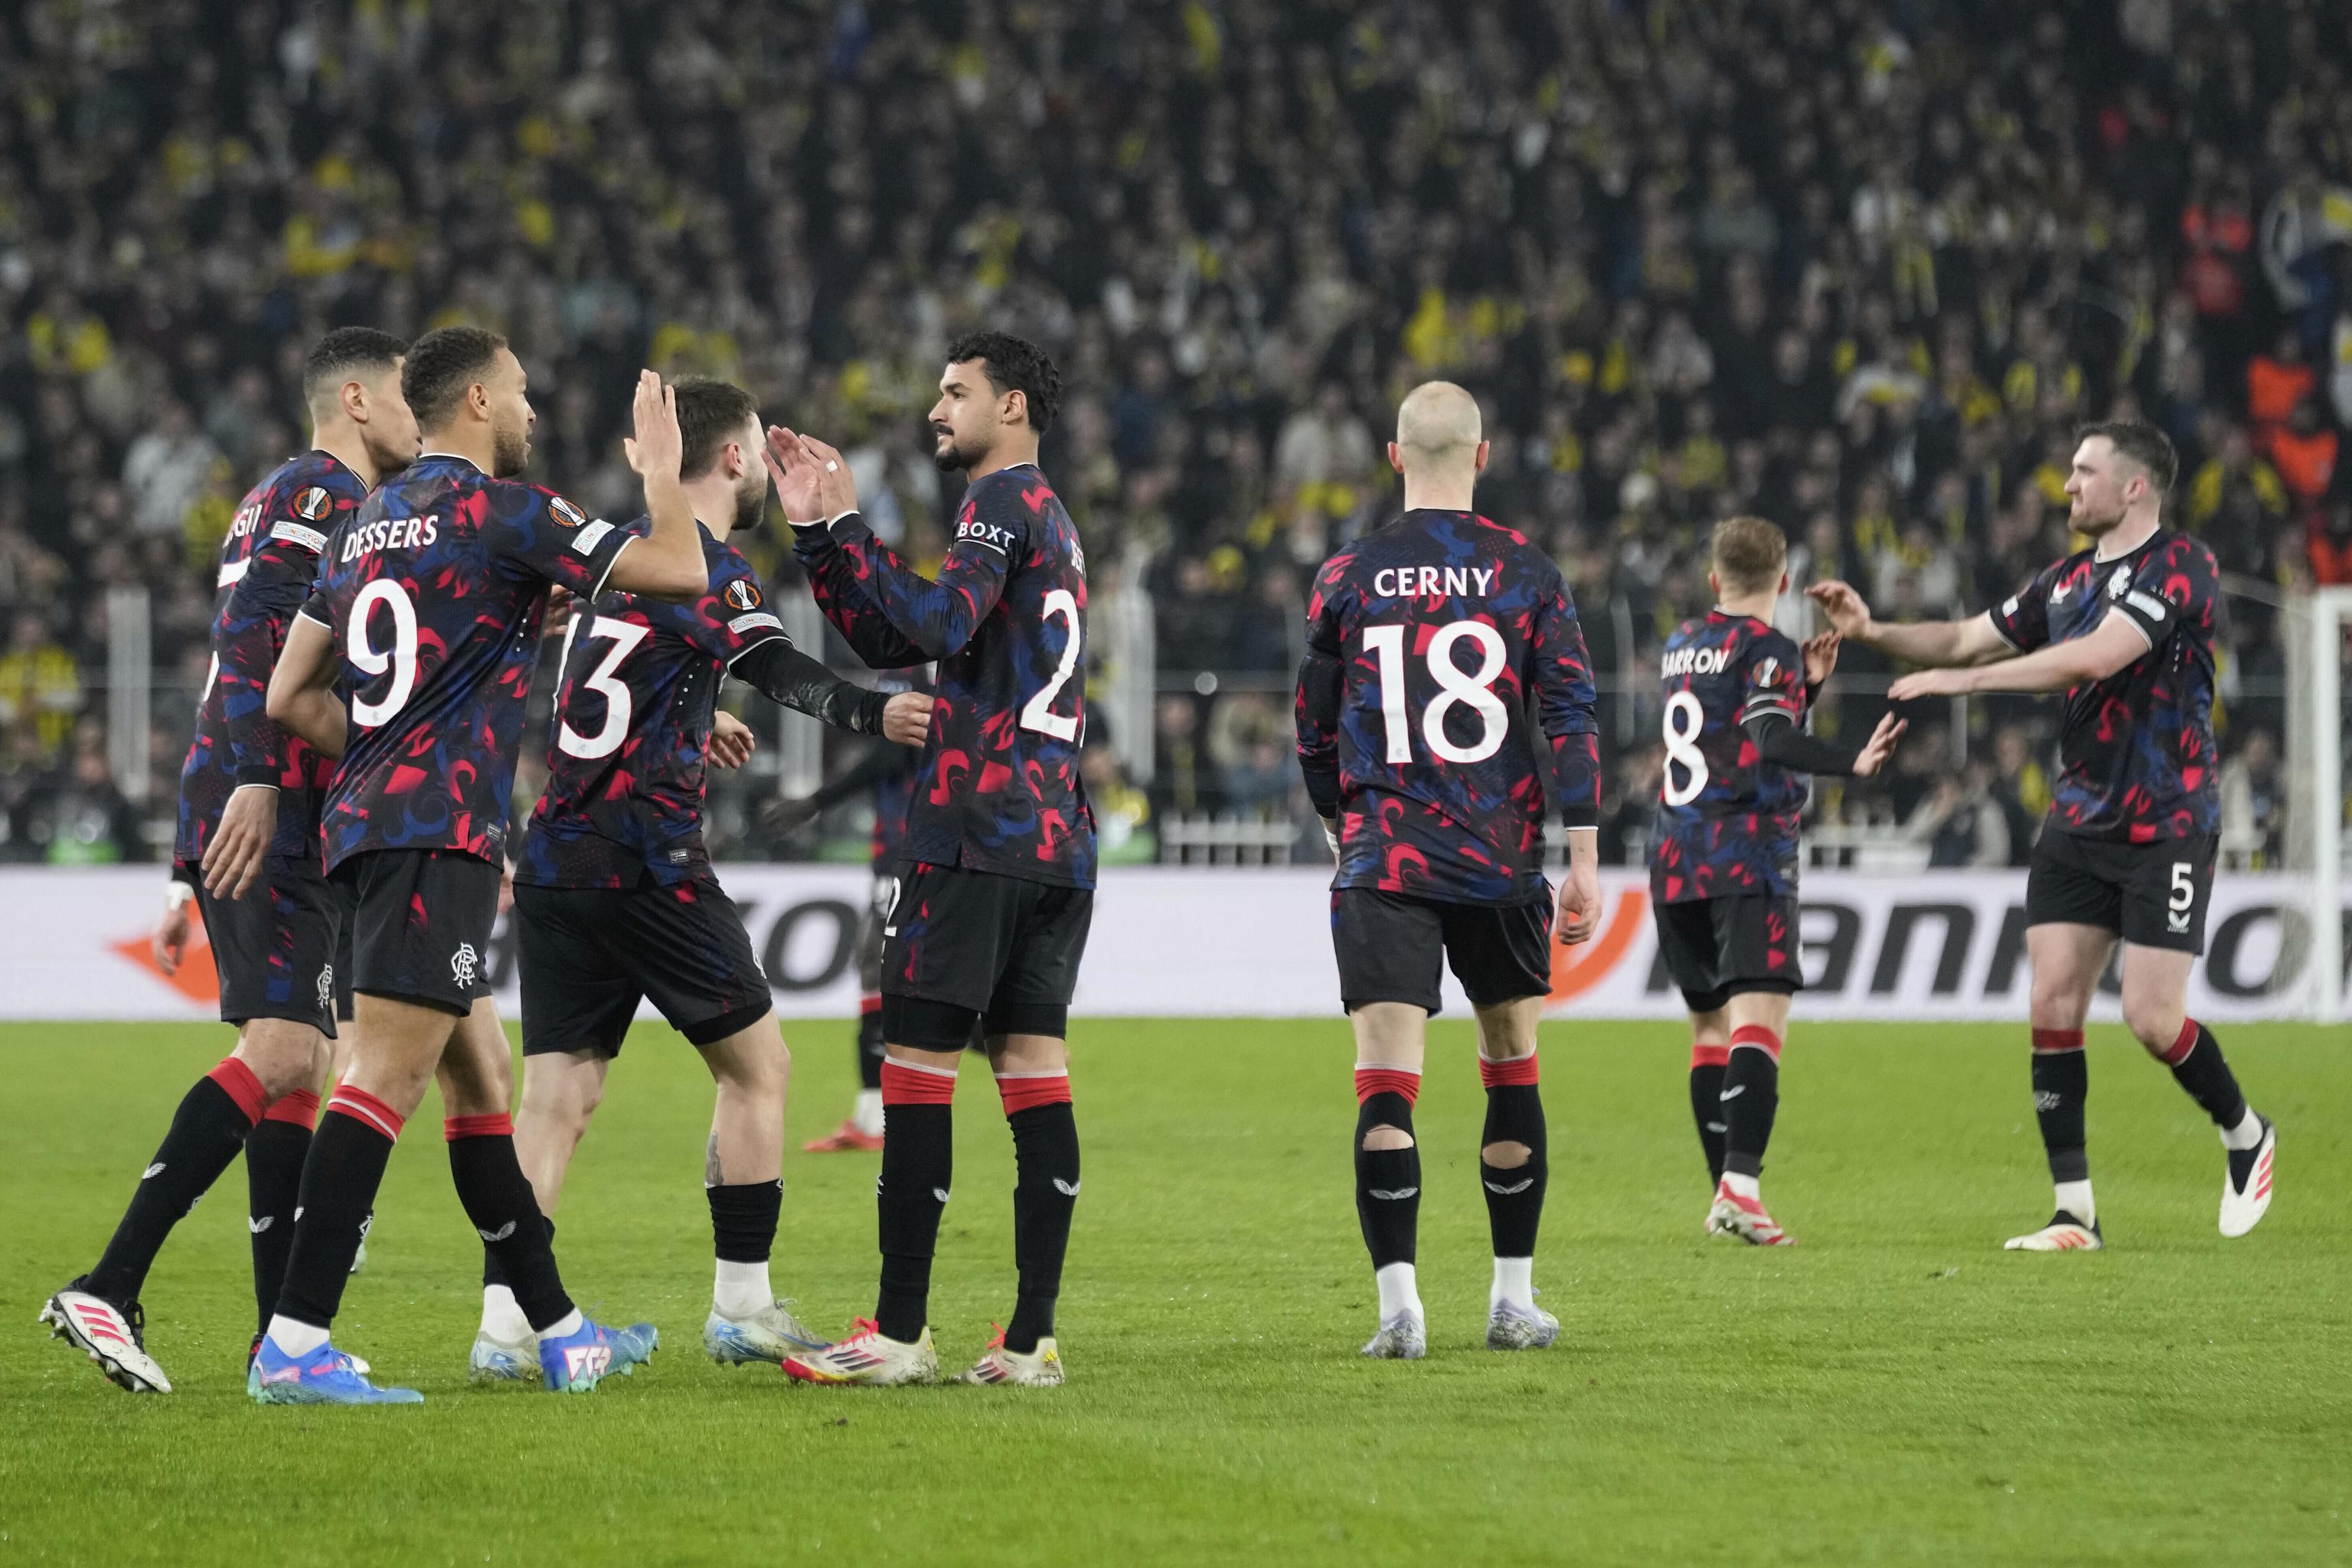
[(1895, 1389)]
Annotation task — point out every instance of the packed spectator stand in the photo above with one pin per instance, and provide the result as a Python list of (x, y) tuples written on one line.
[(1858, 265)]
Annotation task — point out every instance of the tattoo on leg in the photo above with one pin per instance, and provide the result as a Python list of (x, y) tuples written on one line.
[(712, 1176)]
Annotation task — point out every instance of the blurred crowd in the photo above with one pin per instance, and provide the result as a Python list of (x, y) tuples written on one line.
[(1858, 265)]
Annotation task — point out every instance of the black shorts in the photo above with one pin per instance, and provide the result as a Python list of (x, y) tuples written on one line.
[(423, 931), (1716, 949), (283, 951), (1388, 946), (963, 947), (2153, 895), (589, 954)]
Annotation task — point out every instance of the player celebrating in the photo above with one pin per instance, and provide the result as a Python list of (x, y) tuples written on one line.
[(2126, 629), (614, 897), (890, 773), (992, 918), (1425, 642), (427, 614), (1723, 876), (247, 853)]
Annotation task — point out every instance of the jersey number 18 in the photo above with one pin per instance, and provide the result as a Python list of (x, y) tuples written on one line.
[(1455, 685)]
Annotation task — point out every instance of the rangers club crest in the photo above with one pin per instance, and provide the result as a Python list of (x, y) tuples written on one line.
[(742, 594), (461, 964), (314, 504)]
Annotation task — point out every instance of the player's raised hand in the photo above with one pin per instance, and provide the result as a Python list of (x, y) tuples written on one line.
[(169, 943), (797, 476), (557, 620), (839, 490), (1880, 746), (657, 450), (1821, 658), (907, 718), (233, 859), (1929, 683), (1846, 612), (790, 813), (731, 741)]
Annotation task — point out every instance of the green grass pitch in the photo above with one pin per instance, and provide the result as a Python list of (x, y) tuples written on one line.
[(1894, 1389)]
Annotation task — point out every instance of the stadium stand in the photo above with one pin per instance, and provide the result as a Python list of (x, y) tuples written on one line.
[(1856, 265)]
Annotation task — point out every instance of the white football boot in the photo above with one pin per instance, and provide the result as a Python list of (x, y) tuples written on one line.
[(1511, 1327), (867, 1356), (1040, 1368), (499, 1361), (769, 1335), (2246, 1182), (1744, 1217), (116, 1342), (1401, 1338), (2064, 1233)]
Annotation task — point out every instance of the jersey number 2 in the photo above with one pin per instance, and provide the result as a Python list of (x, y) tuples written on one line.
[(626, 636), (1037, 713), (1455, 685)]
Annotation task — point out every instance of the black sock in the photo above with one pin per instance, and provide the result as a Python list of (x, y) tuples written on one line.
[(1515, 1193), (2203, 1071), (1045, 1191), (340, 1179), (2061, 1083), (1751, 1098), (743, 1220), (1388, 1182), (1707, 1110), (918, 1165), (870, 1048), (207, 1131), (494, 1273), (505, 1214), (273, 1174)]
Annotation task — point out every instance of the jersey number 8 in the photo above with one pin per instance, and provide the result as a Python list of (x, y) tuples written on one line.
[(1684, 720), (1455, 685)]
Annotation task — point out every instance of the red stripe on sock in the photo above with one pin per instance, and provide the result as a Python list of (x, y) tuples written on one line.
[(367, 1110), (2182, 1044), (1370, 1081), (300, 1107), (912, 1085), (497, 1124), (236, 1080), (1709, 1056), (1755, 1035), (1517, 1070), (2050, 1040), (869, 1003), (1023, 1091)]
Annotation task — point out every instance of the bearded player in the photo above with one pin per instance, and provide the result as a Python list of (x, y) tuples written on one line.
[(2124, 629), (1427, 640), (247, 855)]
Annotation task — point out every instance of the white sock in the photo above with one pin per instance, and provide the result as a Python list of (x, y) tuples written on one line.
[(868, 1114), (1398, 1292), (295, 1338), (570, 1324), (742, 1289), (1513, 1283), (1751, 1187), (2246, 1134), (502, 1319), (2075, 1198)]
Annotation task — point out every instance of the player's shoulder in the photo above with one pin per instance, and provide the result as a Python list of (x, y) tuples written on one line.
[(2178, 551), (1763, 640)]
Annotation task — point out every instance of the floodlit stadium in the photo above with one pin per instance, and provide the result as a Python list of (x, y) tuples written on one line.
[(1353, 606)]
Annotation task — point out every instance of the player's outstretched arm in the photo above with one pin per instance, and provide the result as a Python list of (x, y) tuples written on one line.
[(790, 679), (667, 561), (1779, 740), (2112, 646), (938, 617), (835, 581), (261, 605), (1969, 642), (302, 685)]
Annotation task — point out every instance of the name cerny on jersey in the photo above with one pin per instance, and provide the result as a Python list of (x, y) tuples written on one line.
[(999, 786), (1728, 819), (435, 593), (628, 753), (2137, 755), (1441, 626), (268, 563)]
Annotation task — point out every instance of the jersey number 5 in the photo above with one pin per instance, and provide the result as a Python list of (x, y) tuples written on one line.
[(1037, 713), (1455, 685), (626, 636)]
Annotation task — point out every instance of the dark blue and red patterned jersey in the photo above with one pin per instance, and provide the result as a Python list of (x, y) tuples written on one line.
[(1427, 640), (267, 565), (1727, 816), (999, 788), (2136, 750), (633, 718), (435, 590), (894, 792)]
